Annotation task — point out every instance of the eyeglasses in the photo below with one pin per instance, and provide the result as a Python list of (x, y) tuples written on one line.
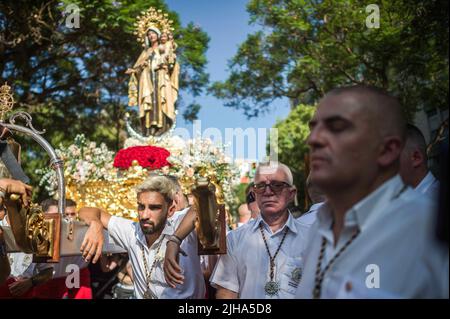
[(275, 186)]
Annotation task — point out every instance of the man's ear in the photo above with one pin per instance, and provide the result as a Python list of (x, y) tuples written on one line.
[(417, 158), (292, 193), (390, 151), (172, 208)]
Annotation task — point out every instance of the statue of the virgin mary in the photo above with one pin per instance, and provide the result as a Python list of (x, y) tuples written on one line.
[(153, 85)]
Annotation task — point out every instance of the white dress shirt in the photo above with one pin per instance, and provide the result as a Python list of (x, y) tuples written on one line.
[(310, 216), (429, 186), (128, 235), (245, 269), (394, 256)]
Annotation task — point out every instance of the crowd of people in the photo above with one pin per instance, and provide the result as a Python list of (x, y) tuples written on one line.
[(370, 232)]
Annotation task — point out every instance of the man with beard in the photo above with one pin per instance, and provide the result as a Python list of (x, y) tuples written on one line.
[(146, 240)]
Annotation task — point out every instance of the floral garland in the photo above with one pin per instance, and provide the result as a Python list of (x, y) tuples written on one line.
[(83, 161)]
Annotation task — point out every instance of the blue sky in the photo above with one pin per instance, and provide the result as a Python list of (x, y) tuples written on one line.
[(227, 24)]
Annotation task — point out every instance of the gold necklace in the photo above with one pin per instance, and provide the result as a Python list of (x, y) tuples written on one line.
[(272, 287), (149, 293)]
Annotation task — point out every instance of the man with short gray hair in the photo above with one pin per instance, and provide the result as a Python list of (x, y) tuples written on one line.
[(264, 256), (146, 240)]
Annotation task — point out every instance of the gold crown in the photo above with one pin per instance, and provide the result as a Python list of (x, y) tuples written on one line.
[(6, 100), (152, 18)]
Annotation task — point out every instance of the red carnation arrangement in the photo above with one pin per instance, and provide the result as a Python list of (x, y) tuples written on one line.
[(151, 157)]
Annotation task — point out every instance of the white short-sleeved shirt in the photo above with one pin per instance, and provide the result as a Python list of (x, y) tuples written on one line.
[(245, 269), (128, 235), (429, 186), (394, 256), (310, 216)]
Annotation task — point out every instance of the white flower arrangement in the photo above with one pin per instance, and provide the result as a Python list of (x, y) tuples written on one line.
[(83, 161), (200, 158)]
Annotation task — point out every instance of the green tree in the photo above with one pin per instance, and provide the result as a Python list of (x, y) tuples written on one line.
[(292, 147), (72, 80), (307, 47)]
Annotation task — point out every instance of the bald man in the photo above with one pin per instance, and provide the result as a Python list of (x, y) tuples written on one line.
[(373, 235), (414, 164)]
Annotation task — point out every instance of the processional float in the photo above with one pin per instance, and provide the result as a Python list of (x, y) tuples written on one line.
[(153, 87)]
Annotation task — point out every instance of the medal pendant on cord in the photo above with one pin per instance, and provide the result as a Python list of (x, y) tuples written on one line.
[(272, 288)]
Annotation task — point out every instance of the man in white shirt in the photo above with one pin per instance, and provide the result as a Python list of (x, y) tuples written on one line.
[(414, 164), (146, 240), (373, 239), (263, 257), (317, 199)]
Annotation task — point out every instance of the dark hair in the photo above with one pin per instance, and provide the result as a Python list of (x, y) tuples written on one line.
[(415, 137), (250, 198), (70, 202), (46, 203), (249, 195)]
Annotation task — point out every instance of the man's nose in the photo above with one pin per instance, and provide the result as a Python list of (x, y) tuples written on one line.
[(267, 190), (315, 138), (145, 214)]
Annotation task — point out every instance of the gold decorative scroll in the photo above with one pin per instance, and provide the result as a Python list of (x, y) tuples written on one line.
[(34, 232), (6, 100)]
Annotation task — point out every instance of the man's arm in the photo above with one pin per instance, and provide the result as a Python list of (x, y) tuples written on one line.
[(92, 245), (172, 269), (93, 214), (187, 225), (224, 293)]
